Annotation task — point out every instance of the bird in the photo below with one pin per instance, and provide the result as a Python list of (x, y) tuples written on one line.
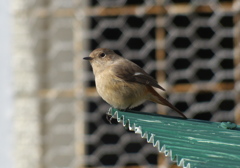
[(122, 83)]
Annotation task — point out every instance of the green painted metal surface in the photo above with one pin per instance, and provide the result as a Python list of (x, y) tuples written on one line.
[(191, 143)]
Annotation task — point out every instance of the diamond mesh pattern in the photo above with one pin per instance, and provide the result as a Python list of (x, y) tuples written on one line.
[(199, 49)]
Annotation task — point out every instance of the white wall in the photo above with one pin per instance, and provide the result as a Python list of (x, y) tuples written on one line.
[(6, 151)]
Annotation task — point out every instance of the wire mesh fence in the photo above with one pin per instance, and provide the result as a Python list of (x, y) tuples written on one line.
[(187, 47)]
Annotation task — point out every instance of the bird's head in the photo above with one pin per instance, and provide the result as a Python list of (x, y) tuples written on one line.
[(102, 58)]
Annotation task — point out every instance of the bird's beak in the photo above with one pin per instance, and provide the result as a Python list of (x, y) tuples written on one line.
[(88, 58)]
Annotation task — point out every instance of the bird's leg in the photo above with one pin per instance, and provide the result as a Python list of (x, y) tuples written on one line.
[(109, 118), (126, 109)]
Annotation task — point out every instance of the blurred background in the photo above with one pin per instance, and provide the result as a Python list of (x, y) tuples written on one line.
[(52, 116), (6, 88)]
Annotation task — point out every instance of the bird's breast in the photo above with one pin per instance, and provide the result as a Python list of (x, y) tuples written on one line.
[(119, 93)]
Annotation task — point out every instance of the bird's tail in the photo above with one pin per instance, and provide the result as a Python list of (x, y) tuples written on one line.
[(155, 97)]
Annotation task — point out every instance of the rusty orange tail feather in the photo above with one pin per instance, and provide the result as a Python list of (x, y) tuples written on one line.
[(160, 100)]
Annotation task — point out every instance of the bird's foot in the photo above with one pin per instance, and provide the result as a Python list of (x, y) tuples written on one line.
[(109, 118)]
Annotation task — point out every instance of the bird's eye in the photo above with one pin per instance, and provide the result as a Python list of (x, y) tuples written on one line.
[(102, 55)]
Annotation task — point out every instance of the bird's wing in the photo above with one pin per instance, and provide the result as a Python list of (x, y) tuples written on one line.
[(130, 72)]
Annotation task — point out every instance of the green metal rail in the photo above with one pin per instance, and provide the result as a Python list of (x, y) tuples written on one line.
[(191, 143)]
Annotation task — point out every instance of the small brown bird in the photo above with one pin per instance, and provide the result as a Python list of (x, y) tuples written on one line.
[(122, 83)]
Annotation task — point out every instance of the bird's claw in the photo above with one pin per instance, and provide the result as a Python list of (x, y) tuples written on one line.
[(109, 118)]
